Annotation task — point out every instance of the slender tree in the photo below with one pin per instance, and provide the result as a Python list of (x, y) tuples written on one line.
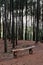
[(42, 20), (0, 22), (13, 35), (33, 21), (22, 20), (19, 30), (31, 13), (3, 12), (38, 17), (5, 31), (16, 22), (26, 23), (10, 23)]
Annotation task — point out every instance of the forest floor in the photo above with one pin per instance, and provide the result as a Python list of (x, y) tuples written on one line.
[(23, 57)]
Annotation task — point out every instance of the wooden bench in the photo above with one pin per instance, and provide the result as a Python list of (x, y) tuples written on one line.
[(22, 49)]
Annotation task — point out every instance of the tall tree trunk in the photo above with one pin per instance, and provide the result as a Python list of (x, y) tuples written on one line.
[(5, 31), (0, 22), (42, 20), (31, 16), (22, 23), (10, 23), (26, 23), (34, 28), (3, 21), (38, 16), (16, 25), (34, 22), (13, 35)]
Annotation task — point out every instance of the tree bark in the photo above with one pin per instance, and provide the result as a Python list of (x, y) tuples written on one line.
[(42, 20), (22, 23), (16, 25), (0, 22), (5, 31), (13, 35), (26, 23), (38, 16), (34, 22)]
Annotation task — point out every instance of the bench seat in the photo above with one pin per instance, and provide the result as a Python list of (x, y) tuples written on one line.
[(22, 49)]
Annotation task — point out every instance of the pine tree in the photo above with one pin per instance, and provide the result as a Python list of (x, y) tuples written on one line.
[(13, 35), (42, 20), (5, 31), (26, 23), (38, 17), (0, 22)]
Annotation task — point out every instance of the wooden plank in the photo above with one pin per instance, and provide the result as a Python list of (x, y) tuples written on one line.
[(14, 50)]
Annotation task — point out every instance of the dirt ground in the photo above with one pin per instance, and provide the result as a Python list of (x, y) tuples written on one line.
[(23, 57)]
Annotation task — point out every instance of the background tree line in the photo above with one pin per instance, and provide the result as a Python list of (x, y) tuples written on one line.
[(13, 24)]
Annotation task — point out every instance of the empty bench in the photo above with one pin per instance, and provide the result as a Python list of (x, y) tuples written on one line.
[(22, 49)]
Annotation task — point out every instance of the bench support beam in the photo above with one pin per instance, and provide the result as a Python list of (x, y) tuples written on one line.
[(30, 51), (14, 54)]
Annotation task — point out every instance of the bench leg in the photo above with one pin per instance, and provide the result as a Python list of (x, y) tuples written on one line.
[(30, 51), (14, 54)]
